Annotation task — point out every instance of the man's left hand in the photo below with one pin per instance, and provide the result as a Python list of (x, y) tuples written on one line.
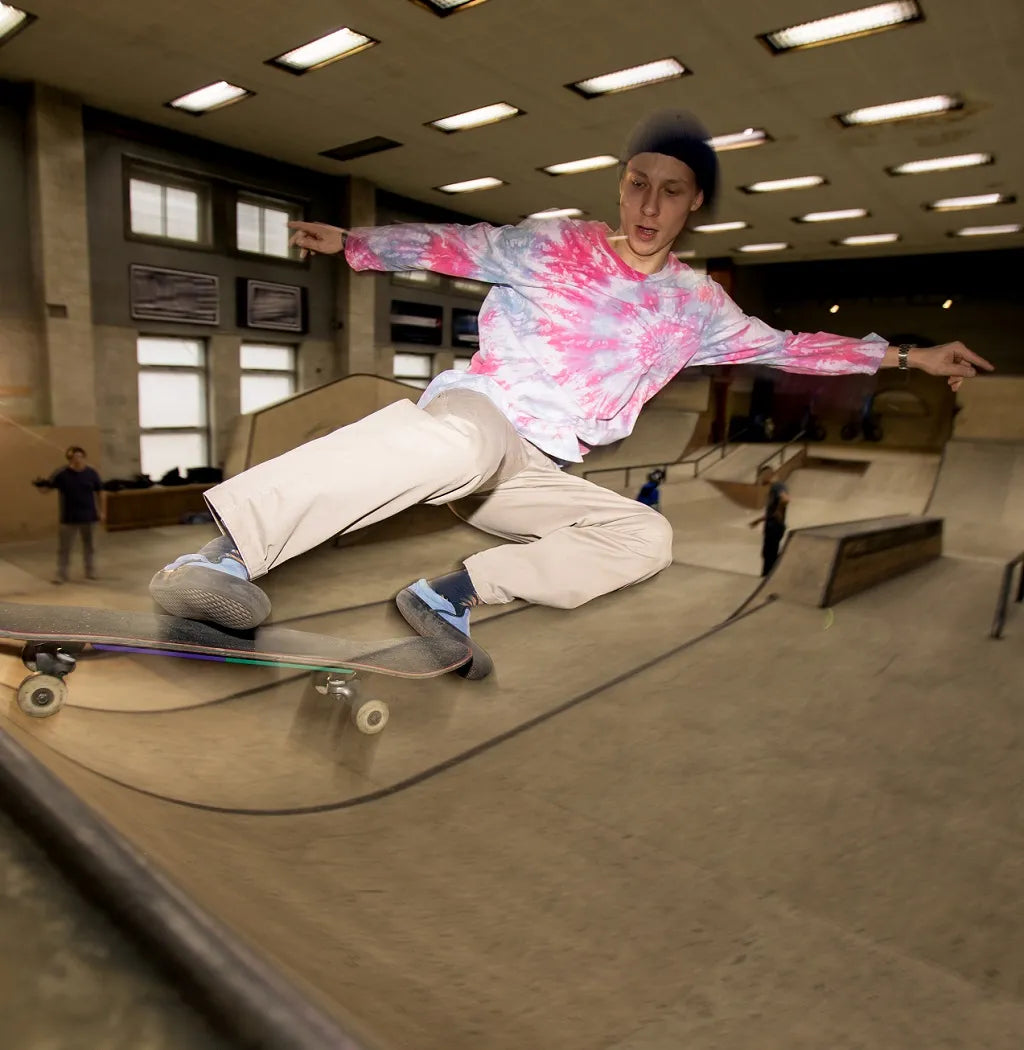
[(951, 359)]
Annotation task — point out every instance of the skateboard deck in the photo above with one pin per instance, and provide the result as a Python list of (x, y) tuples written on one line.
[(54, 634)]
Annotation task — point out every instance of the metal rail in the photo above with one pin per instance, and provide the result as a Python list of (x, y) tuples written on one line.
[(1002, 606)]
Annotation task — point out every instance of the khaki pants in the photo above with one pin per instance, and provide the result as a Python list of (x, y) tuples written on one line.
[(572, 540), (66, 541)]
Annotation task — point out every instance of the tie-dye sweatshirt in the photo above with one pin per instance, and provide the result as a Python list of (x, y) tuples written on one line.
[(573, 341)]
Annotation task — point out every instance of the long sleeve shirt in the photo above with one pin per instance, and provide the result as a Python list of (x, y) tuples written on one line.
[(573, 341)]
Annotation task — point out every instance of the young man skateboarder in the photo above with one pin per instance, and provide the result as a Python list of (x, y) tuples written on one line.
[(581, 328)]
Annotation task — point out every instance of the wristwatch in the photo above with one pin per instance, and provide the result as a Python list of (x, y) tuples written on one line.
[(903, 356)]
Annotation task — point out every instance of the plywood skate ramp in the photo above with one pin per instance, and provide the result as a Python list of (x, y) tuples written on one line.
[(991, 408), (684, 859), (280, 427), (883, 484), (824, 565), (663, 434), (980, 493)]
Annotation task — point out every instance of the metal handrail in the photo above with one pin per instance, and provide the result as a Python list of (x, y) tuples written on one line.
[(720, 448), (779, 451), (999, 620)]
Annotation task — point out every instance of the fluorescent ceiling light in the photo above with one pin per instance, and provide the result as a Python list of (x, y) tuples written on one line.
[(626, 79), (686, 253), (323, 51), (947, 304), (556, 213), (739, 139), (979, 200), (773, 246), (831, 216), (213, 96), (575, 167), (476, 118), (470, 185), (921, 167), (846, 26), (981, 231), (773, 185), (12, 20), (720, 227), (928, 106), (446, 7), (870, 238)]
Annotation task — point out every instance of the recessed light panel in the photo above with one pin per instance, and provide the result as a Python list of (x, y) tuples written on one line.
[(979, 200), (627, 79), (471, 185), (720, 227), (739, 140), (801, 182), (13, 20), (772, 246), (323, 51), (870, 238), (833, 216), (576, 167), (476, 118), (847, 26), (211, 97), (984, 231), (929, 106), (923, 167)]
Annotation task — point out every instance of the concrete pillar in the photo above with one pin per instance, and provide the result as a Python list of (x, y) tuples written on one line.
[(61, 257), (356, 338), (224, 381), (117, 372)]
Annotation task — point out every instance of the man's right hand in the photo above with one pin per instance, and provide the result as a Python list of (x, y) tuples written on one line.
[(312, 238)]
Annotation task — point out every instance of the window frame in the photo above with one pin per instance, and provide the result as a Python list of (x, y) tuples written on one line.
[(414, 381), (292, 372), (203, 370), (295, 208), (172, 179)]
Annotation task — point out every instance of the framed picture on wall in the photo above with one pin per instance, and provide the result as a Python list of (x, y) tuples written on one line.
[(158, 294), (464, 329), (278, 307)]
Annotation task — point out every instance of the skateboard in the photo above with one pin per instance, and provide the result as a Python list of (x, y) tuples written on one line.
[(54, 636)]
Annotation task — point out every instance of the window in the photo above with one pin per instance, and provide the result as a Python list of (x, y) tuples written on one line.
[(414, 369), (268, 374), (173, 421), (168, 209), (261, 226)]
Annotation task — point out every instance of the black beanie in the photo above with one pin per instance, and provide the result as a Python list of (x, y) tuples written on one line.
[(676, 133)]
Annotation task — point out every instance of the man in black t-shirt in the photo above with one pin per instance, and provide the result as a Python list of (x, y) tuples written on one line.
[(77, 485), (774, 519)]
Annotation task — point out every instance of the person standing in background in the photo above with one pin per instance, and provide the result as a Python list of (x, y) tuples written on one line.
[(774, 519), (77, 484)]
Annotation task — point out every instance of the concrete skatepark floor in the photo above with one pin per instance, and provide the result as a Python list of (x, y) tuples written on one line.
[(798, 831)]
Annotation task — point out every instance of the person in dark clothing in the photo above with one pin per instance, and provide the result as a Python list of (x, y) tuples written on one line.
[(77, 484), (651, 491), (774, 519)]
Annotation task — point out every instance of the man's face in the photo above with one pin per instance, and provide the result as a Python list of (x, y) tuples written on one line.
[(76, 460), (656, 196)]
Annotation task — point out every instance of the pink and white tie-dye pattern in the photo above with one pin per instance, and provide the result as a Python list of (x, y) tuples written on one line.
[(573, 342)]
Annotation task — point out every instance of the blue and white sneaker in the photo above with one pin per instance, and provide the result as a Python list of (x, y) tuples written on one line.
[(433, 616), (211, 585)]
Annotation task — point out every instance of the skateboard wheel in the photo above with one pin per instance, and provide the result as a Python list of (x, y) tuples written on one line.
[(371, 716), (41, 695)]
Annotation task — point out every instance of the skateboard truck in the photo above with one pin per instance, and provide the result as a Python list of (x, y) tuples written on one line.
[(369, 716), (44, 691)]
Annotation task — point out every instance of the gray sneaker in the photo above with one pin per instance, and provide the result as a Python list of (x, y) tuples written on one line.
[(212, 585)]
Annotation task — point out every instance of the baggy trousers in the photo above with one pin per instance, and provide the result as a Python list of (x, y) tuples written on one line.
[(66, 540), (572, 540)]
